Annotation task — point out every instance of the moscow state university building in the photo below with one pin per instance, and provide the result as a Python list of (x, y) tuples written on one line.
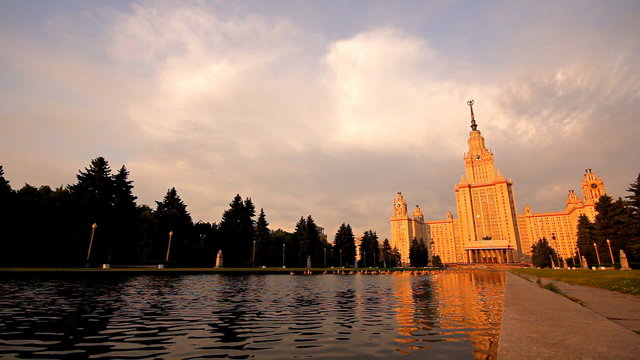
[(488, 228)]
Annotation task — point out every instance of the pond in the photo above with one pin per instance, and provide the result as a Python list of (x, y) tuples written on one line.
[(442, 315)]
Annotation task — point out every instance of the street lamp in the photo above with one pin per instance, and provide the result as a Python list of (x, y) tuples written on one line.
[(325, 257), (598, 255), (375, 263), (166, 260), (93, 231), (610, 252), (555, 241), (283, 256), (364, 257), (253, 257), (340, 257), (579, 256)]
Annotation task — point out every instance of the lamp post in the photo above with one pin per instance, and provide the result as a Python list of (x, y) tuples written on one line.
[(331, 257), (325, 257), (93, 232), (253, 256), (166, 260), (597, 255), (364, 257), (579, 255), (283, 266), (555, 241), (610, 252), (375, 263), (340, 257)]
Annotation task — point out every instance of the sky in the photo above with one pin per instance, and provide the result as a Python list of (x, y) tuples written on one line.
[(323, 108)]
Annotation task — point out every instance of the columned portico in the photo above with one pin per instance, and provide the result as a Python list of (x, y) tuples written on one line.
[(490, 255)]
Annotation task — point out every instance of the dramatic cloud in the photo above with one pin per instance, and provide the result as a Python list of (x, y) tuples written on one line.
[(321, 110)]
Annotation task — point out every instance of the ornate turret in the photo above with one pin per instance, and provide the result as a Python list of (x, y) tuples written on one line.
[(479, 160), (399, 207), (592, 187), (417, 214)]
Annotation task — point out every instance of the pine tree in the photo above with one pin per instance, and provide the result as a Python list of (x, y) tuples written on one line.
[(237, 232), (93, 195), (631, 245), (396, 258), (7, 221), (175, 224), (586, 239), (264, 248), (610, 224), (345, 245), (301, 243), (5, 188), (315, 245), (634, 197), (126, 219), (418, 255), (542, 254), (369, 247), (386, 253)]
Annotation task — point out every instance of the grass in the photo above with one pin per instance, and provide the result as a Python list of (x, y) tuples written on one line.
[(627, 282)]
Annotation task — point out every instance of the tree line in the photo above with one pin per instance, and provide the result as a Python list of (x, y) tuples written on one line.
[(41, 226), (616, 226)]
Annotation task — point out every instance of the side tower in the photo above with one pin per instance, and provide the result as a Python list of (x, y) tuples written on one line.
[(401, 228), (486, 205), (592, 187)]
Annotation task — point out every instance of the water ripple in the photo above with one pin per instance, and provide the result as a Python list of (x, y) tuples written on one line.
[(442, 315)]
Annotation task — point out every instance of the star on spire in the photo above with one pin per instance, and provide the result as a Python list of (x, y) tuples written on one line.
[(474, 126)]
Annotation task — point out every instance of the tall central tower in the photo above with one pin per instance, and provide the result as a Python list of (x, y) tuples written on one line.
[(485, 201)]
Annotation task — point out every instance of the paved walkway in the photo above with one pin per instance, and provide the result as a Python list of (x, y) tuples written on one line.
[(539, 324), (622, 309)]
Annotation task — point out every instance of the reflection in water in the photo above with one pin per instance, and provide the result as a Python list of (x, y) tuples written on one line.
[(442, 315)]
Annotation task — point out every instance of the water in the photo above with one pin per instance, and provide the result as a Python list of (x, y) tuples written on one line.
[(443, 315)]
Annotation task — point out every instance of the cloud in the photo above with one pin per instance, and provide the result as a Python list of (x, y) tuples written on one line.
[(219, 99)]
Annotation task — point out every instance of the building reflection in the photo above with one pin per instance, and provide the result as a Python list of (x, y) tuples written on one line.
[(449, 306)]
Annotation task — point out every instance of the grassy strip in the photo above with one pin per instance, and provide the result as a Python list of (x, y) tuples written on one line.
[(627, 282)]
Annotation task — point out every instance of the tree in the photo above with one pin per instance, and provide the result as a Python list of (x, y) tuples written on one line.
[(634, 197), (436, 261), (283, 241), (386, 253), (7, 220), (172, 217), (418, 253), (264, 248), (586, 239), (237, 232), (396, 258), (611, 223), (5, 188), (345, 245), (126, 219), (93, 195), (632, 243), (542, 254), (369, 247)]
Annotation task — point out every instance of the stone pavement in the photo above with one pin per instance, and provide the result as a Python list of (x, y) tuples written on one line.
[(620, 308), (539, 324)]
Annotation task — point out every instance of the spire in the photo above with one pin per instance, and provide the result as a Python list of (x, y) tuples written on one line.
[(474, 126)]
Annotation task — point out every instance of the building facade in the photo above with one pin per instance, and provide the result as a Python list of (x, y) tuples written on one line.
[(405, 228), (488, 228)]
